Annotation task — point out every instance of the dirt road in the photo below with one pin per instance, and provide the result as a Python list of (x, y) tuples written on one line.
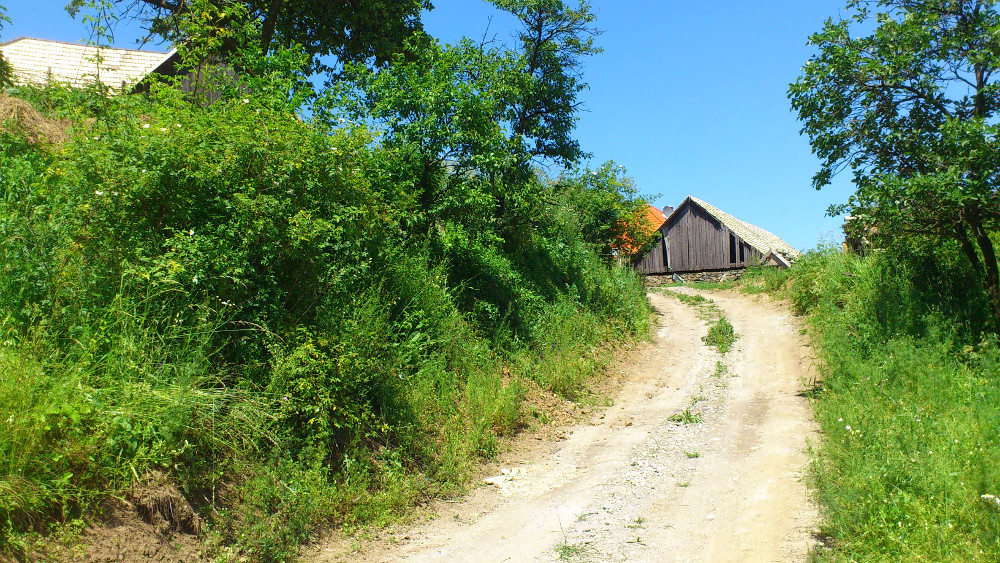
[(632, 485)]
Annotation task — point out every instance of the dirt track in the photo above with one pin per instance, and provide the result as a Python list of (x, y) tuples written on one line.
[(630, 485)]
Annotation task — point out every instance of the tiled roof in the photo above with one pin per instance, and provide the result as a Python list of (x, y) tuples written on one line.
[(654, 219), (39, 61), (655, 216), (762, 240)]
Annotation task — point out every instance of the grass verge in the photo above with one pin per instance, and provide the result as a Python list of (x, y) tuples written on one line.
[(908, 406)]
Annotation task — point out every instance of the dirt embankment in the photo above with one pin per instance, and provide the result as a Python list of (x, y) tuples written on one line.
[(699, 459)]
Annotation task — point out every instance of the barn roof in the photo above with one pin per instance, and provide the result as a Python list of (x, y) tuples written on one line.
[(764, 241), (40, 61)]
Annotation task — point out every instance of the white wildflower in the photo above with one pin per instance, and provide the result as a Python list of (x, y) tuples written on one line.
[(99, 192), (145, 126), (246, 100)]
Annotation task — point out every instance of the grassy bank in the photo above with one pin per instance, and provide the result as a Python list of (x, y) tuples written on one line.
[(252, 307), (907, 468)]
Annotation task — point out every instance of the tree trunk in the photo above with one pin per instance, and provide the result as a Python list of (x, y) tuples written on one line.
[(267, 29), (970, 251), (992, 274)]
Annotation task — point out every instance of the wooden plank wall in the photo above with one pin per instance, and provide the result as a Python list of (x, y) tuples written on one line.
[(694, 241), (655, 261)]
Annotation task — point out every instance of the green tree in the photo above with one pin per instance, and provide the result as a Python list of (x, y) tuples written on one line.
[(910, 105), (554, 39), (352, 31), (6, 74), (607, 210), (465, 121)]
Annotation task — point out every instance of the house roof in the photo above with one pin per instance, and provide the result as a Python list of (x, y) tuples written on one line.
[(654, 219), (764, 241), (40, 61)]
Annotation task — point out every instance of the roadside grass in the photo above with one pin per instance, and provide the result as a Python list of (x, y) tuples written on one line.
[(907, 469), (762, 279)]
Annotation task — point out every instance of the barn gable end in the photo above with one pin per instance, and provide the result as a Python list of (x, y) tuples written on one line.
[(698, 237)]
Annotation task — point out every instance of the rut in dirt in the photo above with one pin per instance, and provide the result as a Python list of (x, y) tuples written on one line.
[(701, 458)]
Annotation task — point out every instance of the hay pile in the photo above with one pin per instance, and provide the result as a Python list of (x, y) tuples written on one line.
[(18, 116)]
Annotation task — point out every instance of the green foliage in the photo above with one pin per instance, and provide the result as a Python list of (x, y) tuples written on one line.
[(911, 109), (763, 279), (323, 321), (907, 404), (6, 75), (605, 207), (554, 38), (355, 32)]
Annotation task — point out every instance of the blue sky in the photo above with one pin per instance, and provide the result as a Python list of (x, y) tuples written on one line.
[(689, 96)]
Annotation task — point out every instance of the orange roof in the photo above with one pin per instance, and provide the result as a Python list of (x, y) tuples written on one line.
[(655, 216), (654, 219)]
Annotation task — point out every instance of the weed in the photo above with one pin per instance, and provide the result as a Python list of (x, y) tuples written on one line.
[(721, 335), (692, 455), (636, 523), (721, 370), (693, 300), (684, 484), (686, 417), (569, 551)]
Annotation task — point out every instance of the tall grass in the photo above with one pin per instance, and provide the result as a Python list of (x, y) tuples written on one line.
[(908, 406)]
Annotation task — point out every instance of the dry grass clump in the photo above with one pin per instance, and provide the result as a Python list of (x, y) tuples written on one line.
[(17, 115)]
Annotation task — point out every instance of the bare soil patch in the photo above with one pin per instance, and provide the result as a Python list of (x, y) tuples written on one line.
[(154, 524)]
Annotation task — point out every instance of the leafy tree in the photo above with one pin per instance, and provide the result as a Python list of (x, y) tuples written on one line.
[(6, 75), (554, 39), (606, 209), (910, 106), (351, 31), (441, 109), (465, 121)]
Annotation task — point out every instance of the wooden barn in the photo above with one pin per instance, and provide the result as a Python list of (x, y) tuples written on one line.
[(698, 237)]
